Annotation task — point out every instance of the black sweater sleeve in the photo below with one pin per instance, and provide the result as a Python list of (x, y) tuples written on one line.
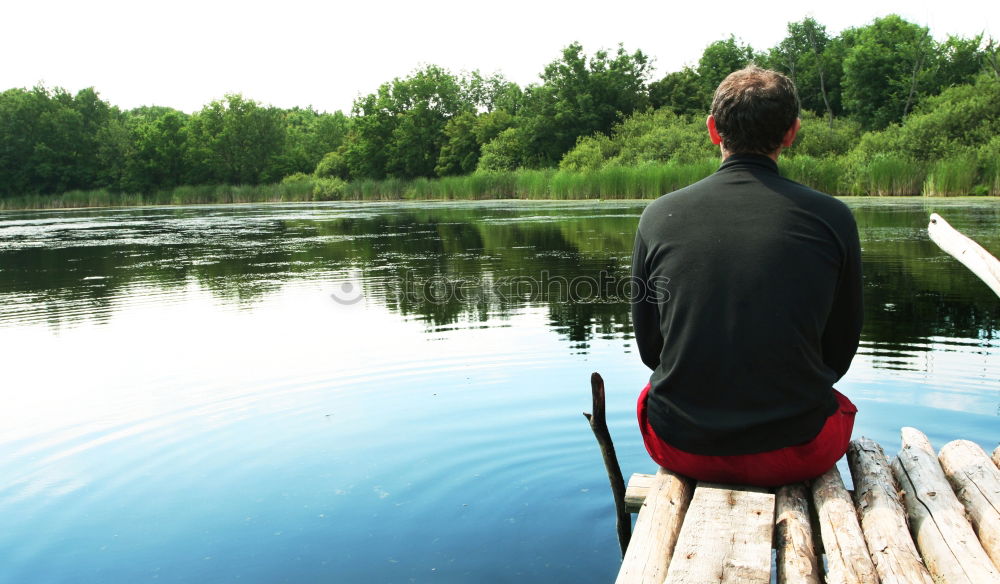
[(843, 326), (645, 312)]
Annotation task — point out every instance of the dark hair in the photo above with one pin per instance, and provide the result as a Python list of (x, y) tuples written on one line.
[(753, 109)]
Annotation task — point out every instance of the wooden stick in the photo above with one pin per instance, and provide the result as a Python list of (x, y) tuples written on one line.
[(965, 250), (976, 482), (847, 556), (600, 427), (883, 519), (944, 537), (797, 561), (656, 530)]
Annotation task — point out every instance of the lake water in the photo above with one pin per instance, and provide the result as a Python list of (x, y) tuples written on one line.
[(385, 392)]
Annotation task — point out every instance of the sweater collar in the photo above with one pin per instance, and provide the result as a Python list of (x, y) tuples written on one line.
[(744, 160)]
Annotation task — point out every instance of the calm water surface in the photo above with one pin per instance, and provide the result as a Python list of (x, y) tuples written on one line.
[(385, 392)]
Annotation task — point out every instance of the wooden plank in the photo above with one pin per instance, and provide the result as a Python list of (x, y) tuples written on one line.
[(656, 530), (944, 537), (726, 537), (797, 562), (883, 519), (965, 250), (976, 482), (636, 490), (847, 558)]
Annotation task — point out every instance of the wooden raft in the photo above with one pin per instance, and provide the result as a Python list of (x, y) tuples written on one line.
[(921, 518)]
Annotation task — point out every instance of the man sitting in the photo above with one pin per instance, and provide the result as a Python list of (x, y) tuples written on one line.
[(747, 305)]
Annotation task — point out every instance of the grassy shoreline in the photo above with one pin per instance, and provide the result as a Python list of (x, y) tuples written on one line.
[(838, 176)]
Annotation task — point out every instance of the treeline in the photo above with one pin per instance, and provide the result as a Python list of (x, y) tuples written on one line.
[(882, 101)]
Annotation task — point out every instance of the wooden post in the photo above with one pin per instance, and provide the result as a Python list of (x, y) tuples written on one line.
[(726, 538), (976, 482), (996, 456), (965, 250), (797, 561), (847, 558), (600, 427), (656, 530), (883, 519), (945, 539)]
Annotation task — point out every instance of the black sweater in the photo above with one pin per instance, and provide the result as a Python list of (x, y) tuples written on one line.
[(747, 307)]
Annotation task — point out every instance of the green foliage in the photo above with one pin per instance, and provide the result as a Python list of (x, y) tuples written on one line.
[(721, 58), (888, 66), (309, 136), (810, 57), (886, 110), (160, 156), (332, 165), (818, 138), (328, 189), (49, 140), (590, 153), (580, 96), (989, 164), (683, 92), (399, 130), (235, 140), (653, 136), (505, 152), (460, 152)]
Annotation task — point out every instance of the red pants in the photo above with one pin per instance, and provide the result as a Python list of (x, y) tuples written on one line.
[(765, 469)]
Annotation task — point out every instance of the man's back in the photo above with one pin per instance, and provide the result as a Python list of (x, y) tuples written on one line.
[(763, 313)]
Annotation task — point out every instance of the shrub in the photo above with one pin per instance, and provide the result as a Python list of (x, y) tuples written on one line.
[(328, 189)]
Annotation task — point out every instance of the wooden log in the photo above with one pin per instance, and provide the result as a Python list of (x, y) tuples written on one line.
[(944, 537), (847, 558), (883, 519), (726, 537), (636, 490), (965, 250), (976, 482), (656, 530), (600, 427), (797, 562)]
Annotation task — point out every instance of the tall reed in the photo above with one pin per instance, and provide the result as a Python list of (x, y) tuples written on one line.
[(884, 175), (888, 175), (952, 177)]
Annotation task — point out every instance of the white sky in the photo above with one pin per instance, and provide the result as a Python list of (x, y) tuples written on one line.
[(185, 53)]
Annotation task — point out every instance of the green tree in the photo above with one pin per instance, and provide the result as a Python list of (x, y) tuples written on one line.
[(460, 152), (399, 130), (809, 58), (49, 140), (309, 136), (505, 152), (238, 141), (887, 68), (160, 154), (960, 61), (721, 58), (580, 96), (682, 92)]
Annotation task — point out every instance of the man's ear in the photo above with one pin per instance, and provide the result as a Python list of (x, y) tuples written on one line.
[(791, 133), (713, 133)]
